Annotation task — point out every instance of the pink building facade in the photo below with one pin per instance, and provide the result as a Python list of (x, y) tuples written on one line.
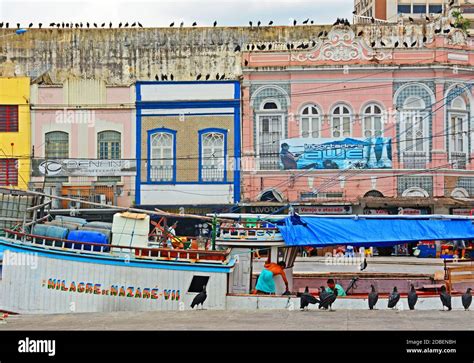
[(341, 125), (83, 131)]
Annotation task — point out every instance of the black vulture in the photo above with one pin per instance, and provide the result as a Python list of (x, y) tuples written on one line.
[(412, 298), (1, 25), (172, 24), (250, 23), (198, 77), (373, 297), (194, 24), (215, 23), (259, 23), (207, 76), (328, 299), (103, 25), (172, 77), (405, 44), (246, 62), (222, 77), (157, 78), (306, 21), (182, 24), (445, 298), (393, 298), (411, 19), (437, 31), (18, 25), (372, 20), (217, 76), (271, 22), (30, 25), (413, 44), (199, 298), (446, 31), (321, 34), (294, 22), (467, 299), (382, 43), (322, 295), (306, 298), (133, 25), (396, 44), (140, 24)]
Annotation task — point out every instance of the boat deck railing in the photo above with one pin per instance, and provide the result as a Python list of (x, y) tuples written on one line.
[(88, 248), (255, 233)]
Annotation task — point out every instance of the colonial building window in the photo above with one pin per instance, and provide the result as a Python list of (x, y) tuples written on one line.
[(8, 118), (414, 141), (269, 133), (458, 133), (372, 121), (8, 172), (57, 148), (341, 121), (212, 155), (162, 155), (108, 147), (310, 122)]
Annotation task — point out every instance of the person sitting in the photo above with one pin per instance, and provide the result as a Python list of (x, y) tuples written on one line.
[(265, 283), (332, 286)]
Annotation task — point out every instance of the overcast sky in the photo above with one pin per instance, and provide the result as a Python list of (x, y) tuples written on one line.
[(162, 12)]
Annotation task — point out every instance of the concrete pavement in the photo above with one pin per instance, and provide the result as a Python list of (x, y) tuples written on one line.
[(248, 320)]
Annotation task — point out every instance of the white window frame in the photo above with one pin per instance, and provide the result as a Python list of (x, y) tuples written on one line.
[(162, 163), (341, 122), (372, 117), (215, 163), (260, 115), (313, 118)]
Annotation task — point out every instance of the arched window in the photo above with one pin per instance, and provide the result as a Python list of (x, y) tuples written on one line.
[(56, 147), (109, 145), (373, 123), (212, 155), (270, 130), (457, 131), (270, 106), (310, 122), (414, 131), (162, 158), (341, 121)]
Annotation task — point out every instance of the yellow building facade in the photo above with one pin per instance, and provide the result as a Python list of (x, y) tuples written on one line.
[(15, 132)]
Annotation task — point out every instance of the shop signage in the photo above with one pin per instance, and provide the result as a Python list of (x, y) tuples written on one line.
[(83, 167)]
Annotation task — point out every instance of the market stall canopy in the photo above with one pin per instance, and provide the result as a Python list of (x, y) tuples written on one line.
[(369, 231)]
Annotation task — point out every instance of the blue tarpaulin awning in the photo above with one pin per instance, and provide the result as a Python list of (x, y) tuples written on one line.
[(360, 231)]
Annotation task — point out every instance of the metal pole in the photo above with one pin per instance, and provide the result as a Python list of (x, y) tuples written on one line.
[(214, 231)]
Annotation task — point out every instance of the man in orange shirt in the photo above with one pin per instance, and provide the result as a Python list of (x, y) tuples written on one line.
[(265, 283)]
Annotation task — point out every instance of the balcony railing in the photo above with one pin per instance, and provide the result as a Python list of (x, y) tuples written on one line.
[(212, 173), (458, 160), (161, 173)]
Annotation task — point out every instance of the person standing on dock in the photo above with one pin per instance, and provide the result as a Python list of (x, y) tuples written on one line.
[(265, 283)]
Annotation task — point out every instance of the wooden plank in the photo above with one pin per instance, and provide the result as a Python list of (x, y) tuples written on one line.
[(459, 278), (460, 269)]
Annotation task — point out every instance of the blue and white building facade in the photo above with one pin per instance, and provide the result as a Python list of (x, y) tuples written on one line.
[(188, 143)]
